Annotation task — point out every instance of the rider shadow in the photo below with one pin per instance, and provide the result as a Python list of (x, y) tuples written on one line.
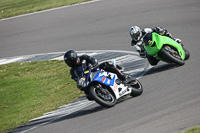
[(88, 111), (81, 113), (161, 68), (55, 119)]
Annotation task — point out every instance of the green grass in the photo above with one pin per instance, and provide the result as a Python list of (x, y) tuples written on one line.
[(27, 90), (9, 8), (192, 130)]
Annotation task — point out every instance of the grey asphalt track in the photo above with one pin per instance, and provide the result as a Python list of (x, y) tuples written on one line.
[(171, 98)]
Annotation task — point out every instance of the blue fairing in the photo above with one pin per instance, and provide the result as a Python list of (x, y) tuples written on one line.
[(104, 80)]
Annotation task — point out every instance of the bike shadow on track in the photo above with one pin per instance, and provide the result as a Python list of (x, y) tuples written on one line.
[(83, 112), (161, 68), (46, 121), (88, 110)]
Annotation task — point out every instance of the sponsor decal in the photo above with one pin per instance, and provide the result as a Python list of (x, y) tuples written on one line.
[(149, 42), (123, 92), (103, 79), (115, 87)]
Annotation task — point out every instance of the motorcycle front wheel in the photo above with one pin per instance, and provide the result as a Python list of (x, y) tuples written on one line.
[(168, 53), (102, 96)]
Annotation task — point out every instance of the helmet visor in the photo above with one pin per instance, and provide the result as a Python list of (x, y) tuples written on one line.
[(136, 35)]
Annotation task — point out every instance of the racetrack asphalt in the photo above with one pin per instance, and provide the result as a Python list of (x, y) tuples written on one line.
[(170, 101)]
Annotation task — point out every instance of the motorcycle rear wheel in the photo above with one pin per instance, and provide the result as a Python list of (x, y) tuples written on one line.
[(107, 100), (170, 57)]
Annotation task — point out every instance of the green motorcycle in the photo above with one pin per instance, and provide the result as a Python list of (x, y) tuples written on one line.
[(165, 49)]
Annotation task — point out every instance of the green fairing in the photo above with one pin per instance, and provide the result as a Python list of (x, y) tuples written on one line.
[(159, 42)]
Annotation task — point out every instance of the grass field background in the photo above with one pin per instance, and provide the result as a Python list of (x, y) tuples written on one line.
[(9, 8), (27, 90), (192, 130)]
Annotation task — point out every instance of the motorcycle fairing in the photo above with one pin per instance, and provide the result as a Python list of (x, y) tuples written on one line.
[(102, 77), (157, 43)]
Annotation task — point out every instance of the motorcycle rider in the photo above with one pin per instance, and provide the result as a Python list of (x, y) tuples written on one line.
[(73, 60), (137, 42)]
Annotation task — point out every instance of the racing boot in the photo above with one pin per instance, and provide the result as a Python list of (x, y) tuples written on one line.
[(123, 77), (178, 41)]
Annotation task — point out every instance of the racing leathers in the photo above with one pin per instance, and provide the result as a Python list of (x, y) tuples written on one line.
[(92, 64), (84, 59)]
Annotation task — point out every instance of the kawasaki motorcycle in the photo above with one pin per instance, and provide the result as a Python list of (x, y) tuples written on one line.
[(104, 87), (165, 49)]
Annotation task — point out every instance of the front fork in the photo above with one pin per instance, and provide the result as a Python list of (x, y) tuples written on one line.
[(101, 89)]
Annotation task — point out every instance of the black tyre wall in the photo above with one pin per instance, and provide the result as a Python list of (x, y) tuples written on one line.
[(164, 54), (93, 95)]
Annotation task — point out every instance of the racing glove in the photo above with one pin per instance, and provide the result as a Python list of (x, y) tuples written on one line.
[(81, 82), (92, 67)]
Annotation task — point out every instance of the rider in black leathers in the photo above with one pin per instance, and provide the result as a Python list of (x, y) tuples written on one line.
[(73, 60)]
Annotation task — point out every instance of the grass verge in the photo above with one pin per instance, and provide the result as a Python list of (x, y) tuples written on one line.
[(9, 8), (192, 130), (27, 90)]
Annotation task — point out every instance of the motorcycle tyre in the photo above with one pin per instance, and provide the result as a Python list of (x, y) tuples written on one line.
[(170, 57), (135, 91), (100, 101), (187, 54)]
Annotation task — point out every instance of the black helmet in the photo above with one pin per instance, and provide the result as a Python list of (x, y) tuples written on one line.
[(70, 58)]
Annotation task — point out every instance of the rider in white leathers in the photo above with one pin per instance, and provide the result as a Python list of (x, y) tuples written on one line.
[(137, 40)]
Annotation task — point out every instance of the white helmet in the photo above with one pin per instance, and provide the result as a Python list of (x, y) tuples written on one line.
[(135, 33)]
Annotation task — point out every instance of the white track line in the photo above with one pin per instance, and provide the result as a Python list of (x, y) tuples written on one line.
[(65, 111), (6, 61), (65, 114)]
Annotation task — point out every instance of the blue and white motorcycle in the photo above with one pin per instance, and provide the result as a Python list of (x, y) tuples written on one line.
[(104, 87)]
